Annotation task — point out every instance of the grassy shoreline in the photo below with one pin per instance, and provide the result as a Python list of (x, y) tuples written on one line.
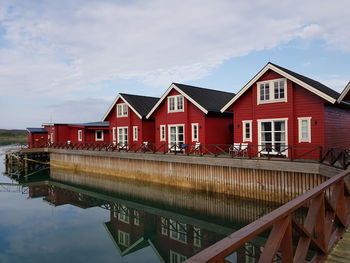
[(8, 137)]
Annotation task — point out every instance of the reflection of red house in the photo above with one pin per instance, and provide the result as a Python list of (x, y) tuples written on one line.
[(37, 137), (191, 115), (59, 196), (38, 191), (279, 107), (127, 118), (91, 132), (129, 228)]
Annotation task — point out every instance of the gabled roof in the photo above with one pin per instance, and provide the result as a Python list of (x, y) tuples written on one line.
[(140, 105), (344, 94), (312, 85), (207, 100), (37, 130)]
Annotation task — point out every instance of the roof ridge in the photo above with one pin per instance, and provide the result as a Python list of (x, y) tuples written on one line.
[(175, 83), (134, 95)]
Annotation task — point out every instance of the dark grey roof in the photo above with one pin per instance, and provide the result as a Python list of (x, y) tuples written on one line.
[(37, 130), (313, 83), (209, 99), (142, 104), (93, 124)]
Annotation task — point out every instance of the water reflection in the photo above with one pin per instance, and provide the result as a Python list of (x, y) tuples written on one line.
[(146, 222)]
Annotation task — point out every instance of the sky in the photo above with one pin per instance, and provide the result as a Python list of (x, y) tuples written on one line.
[(66, 61)]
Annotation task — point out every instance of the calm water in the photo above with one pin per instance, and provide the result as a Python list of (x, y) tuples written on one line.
[(56, 216)]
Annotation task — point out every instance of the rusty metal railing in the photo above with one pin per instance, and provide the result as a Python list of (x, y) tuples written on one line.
[(291, 239)]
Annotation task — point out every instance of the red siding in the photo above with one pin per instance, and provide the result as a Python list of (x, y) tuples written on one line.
[(212, 130), (191, 114), (36, 139), (218, 130), (145, 127), (337, 128), (300, 103)]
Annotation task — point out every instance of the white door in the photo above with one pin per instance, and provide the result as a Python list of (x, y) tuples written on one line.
[(123, 136), (273, 137), (176, 136)]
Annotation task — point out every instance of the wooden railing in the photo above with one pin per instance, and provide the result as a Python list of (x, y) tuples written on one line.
[(291, 238), (339, 158)]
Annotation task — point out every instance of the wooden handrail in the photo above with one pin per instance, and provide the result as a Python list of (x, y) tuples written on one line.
[(330, 203)]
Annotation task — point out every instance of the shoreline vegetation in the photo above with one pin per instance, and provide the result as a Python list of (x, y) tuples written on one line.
[(8, 137)]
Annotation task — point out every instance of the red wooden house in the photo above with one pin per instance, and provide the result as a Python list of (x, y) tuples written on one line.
[(91, 132), (127, 119), (188, 115), (37, 137), (279, 107)]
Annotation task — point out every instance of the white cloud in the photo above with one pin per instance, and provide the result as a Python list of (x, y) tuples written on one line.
[(58, 48)]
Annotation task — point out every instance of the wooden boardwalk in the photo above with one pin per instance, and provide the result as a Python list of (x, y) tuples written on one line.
[(341, 251)]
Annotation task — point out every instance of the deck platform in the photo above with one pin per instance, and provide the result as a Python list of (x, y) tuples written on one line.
[(341, 252)]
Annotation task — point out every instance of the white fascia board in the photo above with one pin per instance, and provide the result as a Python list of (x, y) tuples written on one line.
[(173, 86), (284, 74), (115, 102), (344, 92)]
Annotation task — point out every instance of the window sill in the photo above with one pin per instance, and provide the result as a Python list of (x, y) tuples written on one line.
[(271, 101)]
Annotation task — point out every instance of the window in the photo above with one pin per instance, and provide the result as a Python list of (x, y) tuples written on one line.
[(80, 135), (273, 136), (162, 133), (194, 132), (175, 103), (164, 223), (123, 238), (176, 257), (122, 110), (247, 131), (123, 136), (304, 126), (136, 218), (197, 236), (114, 133), (135, 130), (122, 212), (272, 91), (176, 136), (178, 231), (99, 135)]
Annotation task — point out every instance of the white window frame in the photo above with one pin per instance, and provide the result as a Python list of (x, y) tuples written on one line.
[(271, 120), (123, 214), (135, 133), (114, 134), (177, 230), (176, 103), (122, 110), (176, 257), (197, 237), (80, 135), (123, 238), (162, 133), (164, 226), (245, 138), (102, 136), (300, 130), (176, 148), (271, 91), (136, 218), (193, 125), (127, 132)]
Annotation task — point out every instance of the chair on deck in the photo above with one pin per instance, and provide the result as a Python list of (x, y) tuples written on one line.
[(235, 149)]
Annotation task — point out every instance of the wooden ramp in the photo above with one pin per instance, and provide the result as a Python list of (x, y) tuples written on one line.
[(341, 251)]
